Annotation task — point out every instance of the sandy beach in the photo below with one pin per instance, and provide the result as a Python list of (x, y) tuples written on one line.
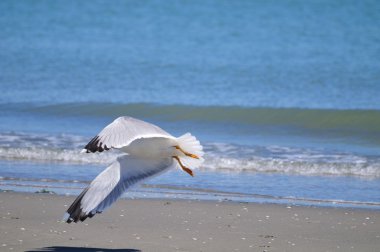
[(31, 222)]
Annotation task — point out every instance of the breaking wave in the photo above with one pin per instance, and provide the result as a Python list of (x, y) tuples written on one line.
[(360, 120), (219, 156)]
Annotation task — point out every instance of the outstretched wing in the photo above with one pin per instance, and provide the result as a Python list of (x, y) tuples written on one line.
[(109, 185), (122, 132)]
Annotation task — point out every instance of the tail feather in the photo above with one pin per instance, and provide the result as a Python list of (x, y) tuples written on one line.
[(190, 144)]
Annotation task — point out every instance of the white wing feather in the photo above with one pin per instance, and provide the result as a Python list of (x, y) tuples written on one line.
[(109, 185), (121, 132)]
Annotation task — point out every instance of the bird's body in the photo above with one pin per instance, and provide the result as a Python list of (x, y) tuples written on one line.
[(149, 152), (154, 147)]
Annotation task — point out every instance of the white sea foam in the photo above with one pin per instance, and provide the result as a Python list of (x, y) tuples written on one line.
[(277, 159), (218, 157), (56, 155), (267, 165), (217, 162)]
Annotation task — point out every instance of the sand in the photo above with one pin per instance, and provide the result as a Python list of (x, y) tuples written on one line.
[(31, 222)]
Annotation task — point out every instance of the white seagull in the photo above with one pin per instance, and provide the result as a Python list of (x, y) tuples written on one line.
[(150, 151)]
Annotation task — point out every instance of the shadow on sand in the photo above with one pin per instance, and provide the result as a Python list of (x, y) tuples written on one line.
[(80, 249)]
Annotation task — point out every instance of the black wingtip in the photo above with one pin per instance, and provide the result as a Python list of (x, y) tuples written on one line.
[(75, 213), (95, 146)]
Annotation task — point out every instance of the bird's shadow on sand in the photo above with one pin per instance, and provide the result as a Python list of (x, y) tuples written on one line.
[(80, 249)]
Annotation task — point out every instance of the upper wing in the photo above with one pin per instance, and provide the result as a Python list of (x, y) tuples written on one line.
[(122, 132), (109, 185)]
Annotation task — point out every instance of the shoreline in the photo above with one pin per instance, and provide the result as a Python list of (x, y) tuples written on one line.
[(330, 191), (31, 222), (175, 192)]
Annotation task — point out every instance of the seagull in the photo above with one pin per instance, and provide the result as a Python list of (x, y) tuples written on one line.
[(149, 151)]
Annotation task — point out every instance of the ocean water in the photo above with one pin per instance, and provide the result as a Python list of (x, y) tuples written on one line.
[(284, 95)]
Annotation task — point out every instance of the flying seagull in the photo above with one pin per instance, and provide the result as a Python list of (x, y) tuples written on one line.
[(149, 151)]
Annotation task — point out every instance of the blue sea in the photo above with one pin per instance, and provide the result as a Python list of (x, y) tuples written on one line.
[(284, 95)]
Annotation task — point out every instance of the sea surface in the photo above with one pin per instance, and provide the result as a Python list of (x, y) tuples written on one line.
[(283, 95)]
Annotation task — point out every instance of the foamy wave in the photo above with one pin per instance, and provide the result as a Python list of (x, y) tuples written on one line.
[(56, 155), (214, 161), (277, 159), (270, 165), (25, 140), (218, 157)]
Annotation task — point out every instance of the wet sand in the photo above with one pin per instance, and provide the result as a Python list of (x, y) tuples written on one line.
[(31, 222)]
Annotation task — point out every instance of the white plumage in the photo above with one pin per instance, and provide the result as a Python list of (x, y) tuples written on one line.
[(150, 151)]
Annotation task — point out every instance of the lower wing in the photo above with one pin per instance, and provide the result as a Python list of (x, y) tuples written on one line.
[(110, 184)]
